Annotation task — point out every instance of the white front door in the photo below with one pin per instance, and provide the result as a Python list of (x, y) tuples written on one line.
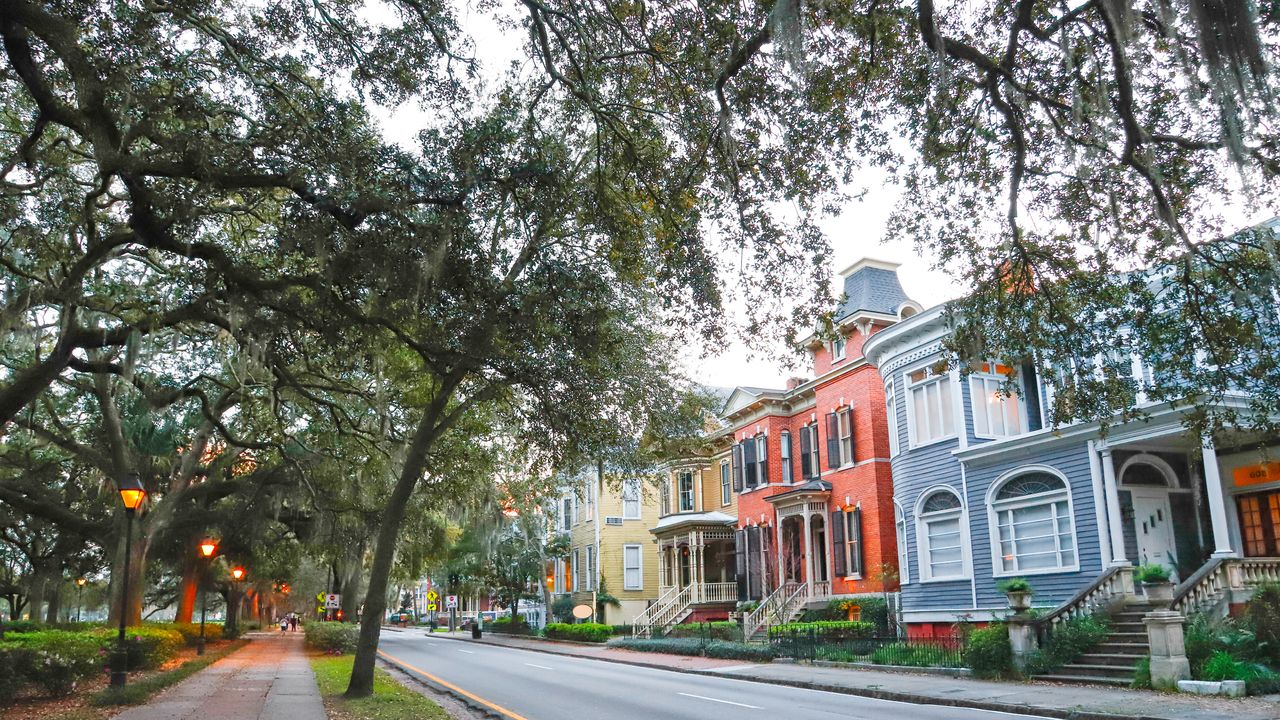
[(1153, 524)]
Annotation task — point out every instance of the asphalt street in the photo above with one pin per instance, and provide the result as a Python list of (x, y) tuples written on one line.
[(526, 685)]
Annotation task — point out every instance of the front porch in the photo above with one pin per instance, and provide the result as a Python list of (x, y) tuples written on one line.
[(803, 549), (697, 573)]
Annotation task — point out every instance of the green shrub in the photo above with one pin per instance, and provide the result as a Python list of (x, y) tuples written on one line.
[(723, 630), (1142, 674), (675, 646), (820, 615), (834, 629), (148, 646), (622, 629), (582, 632), (14, 659), (738, 651), (332, 637), (562, 609), (915, 655), (1014, 585), (504, 626), (988, 653), (21, 626), (53, 659), (1151, 573), (1263, 613), (1070, 639), (190, 632), (874, 610)]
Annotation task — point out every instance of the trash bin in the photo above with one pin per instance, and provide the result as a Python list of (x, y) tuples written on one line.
[(475, 631)]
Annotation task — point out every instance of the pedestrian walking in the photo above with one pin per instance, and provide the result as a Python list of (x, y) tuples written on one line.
[(293, 622), (284, 624)]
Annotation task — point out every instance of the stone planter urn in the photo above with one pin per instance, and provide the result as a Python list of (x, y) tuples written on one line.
[(1159, 594), (1019, 600)]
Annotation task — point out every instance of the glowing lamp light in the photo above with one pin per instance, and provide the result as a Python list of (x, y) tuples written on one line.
[(131, 492), (208, 548), (81, 582), (237, 573)]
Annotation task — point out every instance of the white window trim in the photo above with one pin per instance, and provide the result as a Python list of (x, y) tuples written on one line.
[(846, 517), (973, 403), (844, 348), (993, 529), (639, 566), (922, 538), (786, 473), (591, 568), (633, 484), (891, 410), (726, 483), (693, 491), (904, 559), (573, 571), (844, 413), (907, 385)]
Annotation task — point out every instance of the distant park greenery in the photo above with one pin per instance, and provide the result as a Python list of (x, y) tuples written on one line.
[(328, 350)]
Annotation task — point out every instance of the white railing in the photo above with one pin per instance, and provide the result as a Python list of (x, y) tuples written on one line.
[(670, 615), (1113, 587), (775, 608), (822, 589), (643, 624), (719, 592), (1213, 583)]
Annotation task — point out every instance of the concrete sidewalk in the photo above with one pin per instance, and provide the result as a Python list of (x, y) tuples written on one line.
[(270, 679), (1039, 698)]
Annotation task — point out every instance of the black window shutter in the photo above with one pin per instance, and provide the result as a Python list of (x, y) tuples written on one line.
[(764, 460), (768, 561), (740, 563), (833, 441), (749, 456), (737, 467), (806, 448), (837, 542), (855, 541)]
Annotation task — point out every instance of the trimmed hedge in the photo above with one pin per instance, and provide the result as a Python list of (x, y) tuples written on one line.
[(582, 632), (148, 646), (723, 630), (695, 646), (831, 628), (332, 637), (504, 625), (915, 655), (53, 659), (190, 632)]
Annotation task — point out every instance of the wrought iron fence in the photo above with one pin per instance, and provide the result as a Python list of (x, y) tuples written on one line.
[(814, 644)]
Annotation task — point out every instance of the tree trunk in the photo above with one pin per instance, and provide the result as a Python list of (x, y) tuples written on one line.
[(137, 573), (375, 599), (350, 588), (55, 604), (35, 597), (188, 590)]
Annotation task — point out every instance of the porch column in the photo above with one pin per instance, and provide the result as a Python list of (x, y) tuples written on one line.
[(1217, 501), (662, 566), (777, 551), (1115, 524), (696, 558), (808, 550)]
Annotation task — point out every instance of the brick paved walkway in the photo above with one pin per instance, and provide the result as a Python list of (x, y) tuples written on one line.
[(269, 679)]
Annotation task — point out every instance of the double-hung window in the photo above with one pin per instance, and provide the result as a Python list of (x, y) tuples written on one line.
[(845, 418), (1032, 517), (940, 536), (631, 499), (809, 451), (725, 485), (900, 525), (589, 497), (995, 413), (577, 577), (931, 415), (762, 459), (838, 347), (589, 582), (685, 478), (784, 450), (632, 577), (566, 514), (665, 498)]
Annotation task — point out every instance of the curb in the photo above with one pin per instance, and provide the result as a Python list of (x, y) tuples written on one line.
[(862, 692), (458, 697)]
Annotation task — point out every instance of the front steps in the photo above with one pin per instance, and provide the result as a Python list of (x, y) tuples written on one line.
[(1114, 661)]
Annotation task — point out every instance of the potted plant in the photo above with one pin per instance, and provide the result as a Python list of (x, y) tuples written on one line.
[(1019, 593), (850, 607), (1155, 583)]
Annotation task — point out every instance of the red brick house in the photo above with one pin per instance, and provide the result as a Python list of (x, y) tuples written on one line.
[(811, 466)]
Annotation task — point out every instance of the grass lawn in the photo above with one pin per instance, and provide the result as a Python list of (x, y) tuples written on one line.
[(390, 699)]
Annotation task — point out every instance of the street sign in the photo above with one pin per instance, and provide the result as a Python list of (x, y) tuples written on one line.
[(582, 612), (333, 601), (432, 596), (431, 607), (451, 601)]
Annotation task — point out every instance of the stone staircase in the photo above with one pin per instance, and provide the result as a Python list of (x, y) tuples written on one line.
[(1113, 661)]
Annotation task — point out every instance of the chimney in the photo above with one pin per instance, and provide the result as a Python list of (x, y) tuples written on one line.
[(795, 382)]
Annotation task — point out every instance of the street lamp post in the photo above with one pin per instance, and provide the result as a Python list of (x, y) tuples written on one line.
[(131, 494), (237, 574), (79, 596), (207, 549)]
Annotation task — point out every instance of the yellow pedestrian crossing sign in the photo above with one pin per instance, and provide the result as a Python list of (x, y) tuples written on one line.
[(432, 596)]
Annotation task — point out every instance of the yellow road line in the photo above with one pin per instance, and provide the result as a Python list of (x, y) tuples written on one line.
[(451, 686)]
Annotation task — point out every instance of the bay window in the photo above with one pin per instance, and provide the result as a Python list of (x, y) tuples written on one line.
[(686, 490), (995, 413), (930, 408)]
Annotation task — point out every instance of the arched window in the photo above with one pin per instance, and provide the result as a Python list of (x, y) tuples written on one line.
[(940, 536), (1031, 513)]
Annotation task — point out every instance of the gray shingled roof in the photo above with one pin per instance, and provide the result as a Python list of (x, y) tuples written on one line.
[(872, 289)]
